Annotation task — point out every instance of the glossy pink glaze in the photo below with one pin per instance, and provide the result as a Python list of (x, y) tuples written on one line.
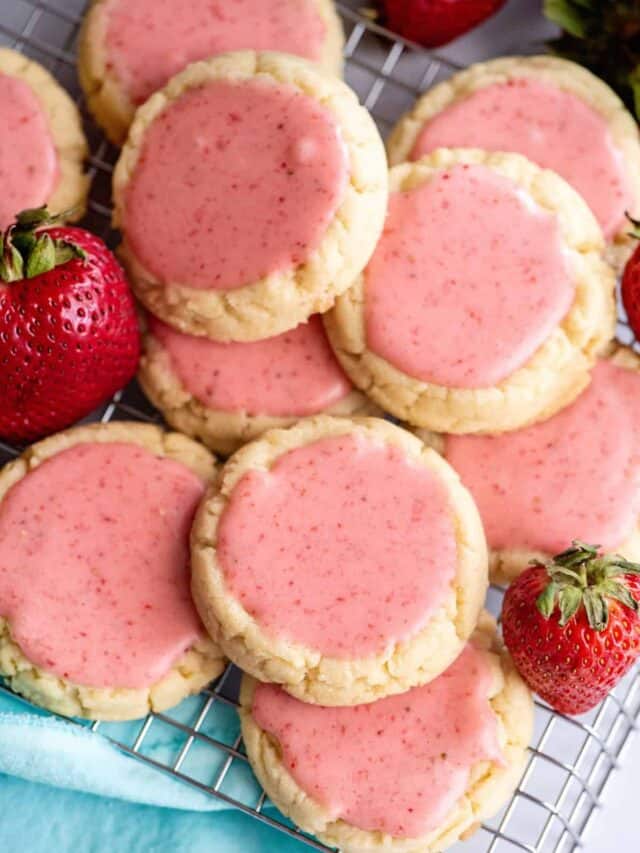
[(94, 564), (344, 546), (252, 174), (398, 765), (28, 157), (151, 40), (552, 127), (574, 476), (292, 375), (467, 281)]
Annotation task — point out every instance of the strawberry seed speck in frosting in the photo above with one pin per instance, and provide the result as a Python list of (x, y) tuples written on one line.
[(151, 40), (369, 555), (94, 564), (398, 765), (552, 127), (294, 374), (468, 279), (574, 475), (28, 158), (252, 172)]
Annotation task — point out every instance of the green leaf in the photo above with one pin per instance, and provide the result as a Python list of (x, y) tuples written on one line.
[(562, 573), (622, 593), (42, 258), (546, 601), (569, 600), (11, 265), (565, 15), (597, 610), (24, 241), (578, 553), (33, 217), (613, 565), (66, 251)]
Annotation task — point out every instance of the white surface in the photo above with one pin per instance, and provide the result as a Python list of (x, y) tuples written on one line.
[(616, 827)]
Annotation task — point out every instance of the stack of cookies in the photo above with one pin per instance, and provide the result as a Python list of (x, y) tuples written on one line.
[(341, 560)]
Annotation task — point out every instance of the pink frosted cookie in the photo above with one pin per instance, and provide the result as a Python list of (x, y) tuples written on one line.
[(407, 773), (228, 394), (130, 48), (339, 558), (96, 619), (486, 300), (575, 476), (250, 193), (42, 145), (555, 112)]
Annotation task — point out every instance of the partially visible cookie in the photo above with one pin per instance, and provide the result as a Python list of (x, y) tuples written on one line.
[(339, 558), (228, 394), (486, 301), (408, 773), (574, 476), (555, 112), (128, 50), (42, 144), (96, 619), (250, 193)]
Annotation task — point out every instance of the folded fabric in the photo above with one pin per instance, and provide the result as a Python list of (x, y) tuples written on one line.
[(56, 753), (39, 819), (40, 748), (51, 770)]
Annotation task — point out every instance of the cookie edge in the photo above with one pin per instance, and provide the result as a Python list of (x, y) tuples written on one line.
[(557, 371), (490, 785), (304, 672), (190, 673)]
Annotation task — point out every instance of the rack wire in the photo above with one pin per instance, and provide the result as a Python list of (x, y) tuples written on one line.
[(199, 742)]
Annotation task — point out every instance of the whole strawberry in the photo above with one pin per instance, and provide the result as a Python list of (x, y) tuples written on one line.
[(436, 22), (572, 626), (68, 329), (631, 284)]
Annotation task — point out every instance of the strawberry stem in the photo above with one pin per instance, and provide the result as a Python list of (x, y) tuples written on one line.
[(27, 250), (582, 576)]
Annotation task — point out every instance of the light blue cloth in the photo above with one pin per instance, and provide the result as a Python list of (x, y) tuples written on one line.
[(51, 772)]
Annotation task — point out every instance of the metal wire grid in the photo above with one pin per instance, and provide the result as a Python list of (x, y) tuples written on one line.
[(199, 742)]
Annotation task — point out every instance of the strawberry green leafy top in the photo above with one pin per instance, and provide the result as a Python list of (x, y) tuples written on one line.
[(581, 575), (27, 250)]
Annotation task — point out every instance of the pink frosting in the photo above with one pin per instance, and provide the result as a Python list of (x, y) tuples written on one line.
[(28, 157), (468, 280), (550, 126), (398, 765), (345, 546), (576, 475), (151, 40), (292, 375), (252, 174), (94, 564)]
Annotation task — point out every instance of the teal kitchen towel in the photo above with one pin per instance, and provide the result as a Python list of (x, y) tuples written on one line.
[(64, 788)]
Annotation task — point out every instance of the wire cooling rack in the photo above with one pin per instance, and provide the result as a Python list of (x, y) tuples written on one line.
[(199, 741)]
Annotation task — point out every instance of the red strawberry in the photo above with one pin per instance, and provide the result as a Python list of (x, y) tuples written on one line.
[(572, 626), (436, 22), (631, 284), (68, 329)]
